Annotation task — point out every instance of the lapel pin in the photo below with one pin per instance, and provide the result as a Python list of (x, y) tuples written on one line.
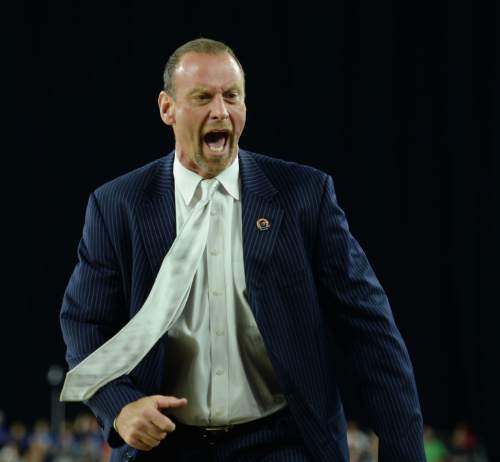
[(263, 224)]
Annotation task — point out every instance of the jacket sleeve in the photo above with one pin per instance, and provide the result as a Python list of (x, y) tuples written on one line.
[(364, 328), (93, 310)]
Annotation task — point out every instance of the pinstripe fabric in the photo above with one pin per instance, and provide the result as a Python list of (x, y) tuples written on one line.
[(275, 439), (308, 282)]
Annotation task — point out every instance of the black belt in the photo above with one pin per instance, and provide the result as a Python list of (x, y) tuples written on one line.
[(212, 435)]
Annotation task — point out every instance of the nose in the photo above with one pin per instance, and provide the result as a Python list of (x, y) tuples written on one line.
[(218, 111)]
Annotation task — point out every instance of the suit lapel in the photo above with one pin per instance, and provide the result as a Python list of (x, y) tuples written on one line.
[(157, 223), (156, 214), (258, 201)]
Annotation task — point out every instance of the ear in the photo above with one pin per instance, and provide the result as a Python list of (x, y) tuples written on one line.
[(166, 105)]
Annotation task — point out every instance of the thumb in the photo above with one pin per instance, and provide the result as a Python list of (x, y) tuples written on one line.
[(163, 402)]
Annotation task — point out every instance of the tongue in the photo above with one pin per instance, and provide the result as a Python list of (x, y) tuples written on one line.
[(215, 140)]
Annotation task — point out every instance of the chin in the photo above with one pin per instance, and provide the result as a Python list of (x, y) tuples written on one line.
[(215, 164)]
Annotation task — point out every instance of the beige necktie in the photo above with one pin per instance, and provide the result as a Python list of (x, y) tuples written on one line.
[(163, 306)]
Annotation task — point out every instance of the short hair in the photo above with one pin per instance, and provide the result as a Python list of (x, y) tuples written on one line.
[(200, 45)]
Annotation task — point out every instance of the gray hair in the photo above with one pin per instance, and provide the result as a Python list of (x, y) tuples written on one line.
[(201, 45)]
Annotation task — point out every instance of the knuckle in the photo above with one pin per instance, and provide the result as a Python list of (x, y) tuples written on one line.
[(131, 441), (169, 425), (163, 423), (135, 421), (140, 426), (134, 435), (163, 426)]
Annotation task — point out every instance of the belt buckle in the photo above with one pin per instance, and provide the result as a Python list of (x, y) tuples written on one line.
[(211, 434), (224, 428)]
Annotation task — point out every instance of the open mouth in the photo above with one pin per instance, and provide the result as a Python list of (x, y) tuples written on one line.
[(216, 140)]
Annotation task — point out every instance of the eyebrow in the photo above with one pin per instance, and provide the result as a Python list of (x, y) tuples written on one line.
[(199, 90), (195, 90), (233, 88)]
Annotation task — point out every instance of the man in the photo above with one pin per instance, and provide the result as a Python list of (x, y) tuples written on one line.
[(280, 279)]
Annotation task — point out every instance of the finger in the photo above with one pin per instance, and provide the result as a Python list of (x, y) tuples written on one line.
[(148, 433), (162, 422), (153, 431), (169, 401), (138, 444), (148, 440), (155, 434)]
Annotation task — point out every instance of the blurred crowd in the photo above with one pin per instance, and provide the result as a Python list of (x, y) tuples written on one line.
[(460, 445), (80, 440)]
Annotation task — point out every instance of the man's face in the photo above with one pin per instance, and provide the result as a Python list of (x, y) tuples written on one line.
[(208, 113)]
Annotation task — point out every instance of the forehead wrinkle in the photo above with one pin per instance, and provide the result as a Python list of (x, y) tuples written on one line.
[(198, 74)]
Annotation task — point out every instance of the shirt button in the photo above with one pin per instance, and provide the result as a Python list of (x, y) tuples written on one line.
[(218, 411), (219, 372), (214, 253), (213, 212), (219, 332), (216, 292)]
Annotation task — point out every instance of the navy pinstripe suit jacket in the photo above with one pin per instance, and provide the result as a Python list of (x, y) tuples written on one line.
[(308, 281)]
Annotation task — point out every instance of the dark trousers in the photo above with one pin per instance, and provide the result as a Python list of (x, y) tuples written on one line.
[(274, 438)]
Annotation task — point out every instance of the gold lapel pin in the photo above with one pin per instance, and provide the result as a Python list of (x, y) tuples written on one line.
[(263, 224)]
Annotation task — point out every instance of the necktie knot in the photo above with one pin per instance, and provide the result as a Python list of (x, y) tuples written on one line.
[(208, 188)]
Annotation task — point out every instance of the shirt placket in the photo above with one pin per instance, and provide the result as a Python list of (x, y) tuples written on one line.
[(218, 317)]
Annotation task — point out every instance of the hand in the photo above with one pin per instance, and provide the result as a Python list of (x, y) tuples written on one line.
[(141, 423)]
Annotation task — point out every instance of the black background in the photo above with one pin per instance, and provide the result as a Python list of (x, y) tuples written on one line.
[(399, 101)]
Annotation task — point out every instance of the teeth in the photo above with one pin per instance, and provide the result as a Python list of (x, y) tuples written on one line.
[(216, 142)]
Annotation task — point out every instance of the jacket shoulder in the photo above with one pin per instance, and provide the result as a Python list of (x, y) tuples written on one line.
[(288, 176)]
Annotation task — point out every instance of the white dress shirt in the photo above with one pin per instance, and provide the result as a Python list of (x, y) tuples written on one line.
[(216, 357)]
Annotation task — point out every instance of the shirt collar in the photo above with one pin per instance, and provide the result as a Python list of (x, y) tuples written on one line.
[(187, 181)]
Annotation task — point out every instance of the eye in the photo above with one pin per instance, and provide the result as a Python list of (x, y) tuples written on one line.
[(231, 95), (202, 97)]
